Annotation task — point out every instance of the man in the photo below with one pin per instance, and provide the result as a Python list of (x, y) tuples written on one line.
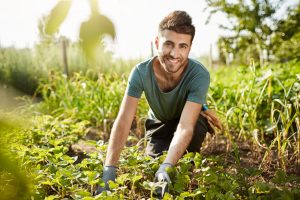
[(175, 88)]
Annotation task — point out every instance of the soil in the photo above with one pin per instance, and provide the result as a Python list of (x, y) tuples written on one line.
[(251, 157)]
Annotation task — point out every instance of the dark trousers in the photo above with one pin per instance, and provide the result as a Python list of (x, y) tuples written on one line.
[(160, 134)]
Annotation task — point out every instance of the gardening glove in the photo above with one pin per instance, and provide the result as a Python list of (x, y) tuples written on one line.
[(162, 176), (109, 174)]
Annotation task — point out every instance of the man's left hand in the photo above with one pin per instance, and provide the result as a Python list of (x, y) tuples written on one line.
[(212, 118), (109, 174)]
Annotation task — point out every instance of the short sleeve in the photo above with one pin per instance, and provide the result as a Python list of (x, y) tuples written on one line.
[(134, 84), (198, 89)]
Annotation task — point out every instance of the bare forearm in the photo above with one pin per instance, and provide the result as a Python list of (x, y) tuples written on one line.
[(120, 130), (179, 144), (116, 143)]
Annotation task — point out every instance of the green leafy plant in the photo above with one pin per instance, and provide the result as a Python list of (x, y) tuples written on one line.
[(72, 106)]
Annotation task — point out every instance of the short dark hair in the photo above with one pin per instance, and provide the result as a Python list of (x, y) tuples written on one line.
[(178, 21)]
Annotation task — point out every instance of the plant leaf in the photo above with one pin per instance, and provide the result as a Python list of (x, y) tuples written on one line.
[(57, 16), (92, 31)]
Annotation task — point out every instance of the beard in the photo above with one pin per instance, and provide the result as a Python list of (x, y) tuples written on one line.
[(170, 64)]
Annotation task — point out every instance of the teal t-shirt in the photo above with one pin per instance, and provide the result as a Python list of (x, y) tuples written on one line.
[(166, 106)]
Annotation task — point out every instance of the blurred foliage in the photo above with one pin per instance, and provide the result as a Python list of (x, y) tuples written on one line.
[(13, 182), (91, 31), (18, 70), (289, 49), (24, 69), (57, 16), (287, 38), (257, 30)]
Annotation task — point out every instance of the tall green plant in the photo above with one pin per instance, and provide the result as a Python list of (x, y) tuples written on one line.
[(87, 99), (261, 104)]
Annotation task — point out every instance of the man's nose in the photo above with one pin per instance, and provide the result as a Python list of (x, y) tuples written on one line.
[(174, 52)]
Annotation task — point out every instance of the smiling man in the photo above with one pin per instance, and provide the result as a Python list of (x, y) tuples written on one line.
[(175, 87)]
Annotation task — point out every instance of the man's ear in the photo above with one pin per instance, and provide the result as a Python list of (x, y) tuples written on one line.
[(156, 42)]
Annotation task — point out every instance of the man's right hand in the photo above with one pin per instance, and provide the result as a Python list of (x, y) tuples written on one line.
[(109, 174), (162, 177)]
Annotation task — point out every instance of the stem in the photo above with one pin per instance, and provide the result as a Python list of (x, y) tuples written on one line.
[(298, 139), (94, 7)]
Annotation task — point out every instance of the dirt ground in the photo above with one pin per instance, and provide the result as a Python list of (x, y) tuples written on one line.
[(251, 156)]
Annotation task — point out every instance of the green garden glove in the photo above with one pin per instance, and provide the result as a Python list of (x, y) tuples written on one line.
[(109, 174), (162, 176)]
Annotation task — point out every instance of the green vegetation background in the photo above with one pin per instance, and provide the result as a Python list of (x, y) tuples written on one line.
[(258, 106), (54, 128)]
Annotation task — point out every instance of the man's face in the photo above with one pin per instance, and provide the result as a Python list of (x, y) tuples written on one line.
[(173, 50)]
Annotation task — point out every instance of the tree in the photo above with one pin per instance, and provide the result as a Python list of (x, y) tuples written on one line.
[(287, 38), (253, 24)]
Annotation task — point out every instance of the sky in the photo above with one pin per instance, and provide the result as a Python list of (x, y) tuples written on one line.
[(135, 21)]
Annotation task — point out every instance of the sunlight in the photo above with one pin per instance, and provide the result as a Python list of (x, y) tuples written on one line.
[(136, 23)]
